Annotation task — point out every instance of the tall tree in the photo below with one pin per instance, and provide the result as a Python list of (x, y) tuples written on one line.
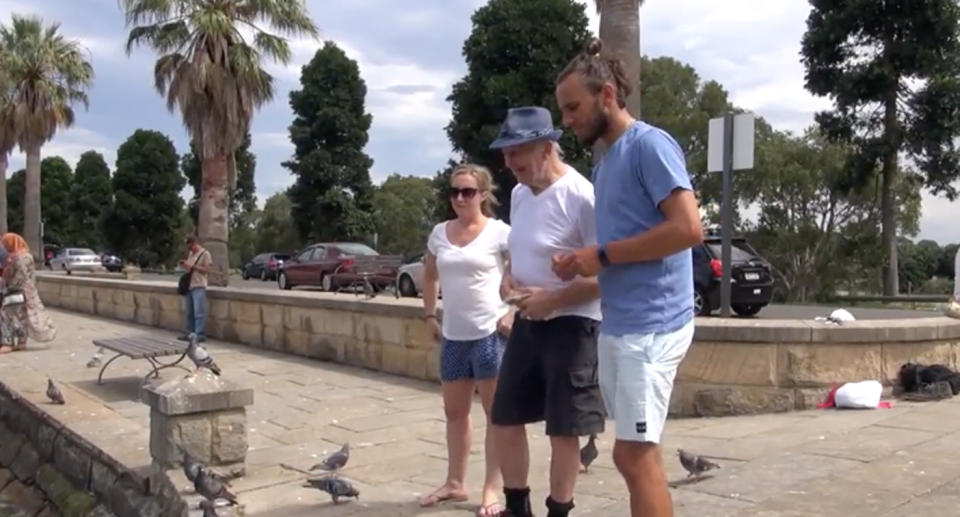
[(332, 195), (8, 137), (620, 32), (15, 188), (243, 195), (502, 74), (146, 186), (212, 73), (275, 229), (50, 74), (404, 214), (890, 69), (90, 200), (56, 182)]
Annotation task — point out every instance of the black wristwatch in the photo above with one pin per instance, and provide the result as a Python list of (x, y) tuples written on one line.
[(602, 255)]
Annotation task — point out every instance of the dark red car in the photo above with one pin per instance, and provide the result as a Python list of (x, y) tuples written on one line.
[(330, 265)]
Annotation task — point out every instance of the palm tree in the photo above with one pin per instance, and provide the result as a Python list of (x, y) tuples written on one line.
[(7, 137), (620, 32), (210, 68), (47, 74)]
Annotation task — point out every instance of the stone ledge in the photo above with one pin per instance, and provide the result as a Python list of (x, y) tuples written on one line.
[(199, 394)]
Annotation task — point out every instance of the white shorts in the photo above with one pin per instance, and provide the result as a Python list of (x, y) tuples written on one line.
[(636, 378)]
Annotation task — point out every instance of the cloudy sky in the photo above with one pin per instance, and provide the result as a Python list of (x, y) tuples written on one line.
[(409, 56)]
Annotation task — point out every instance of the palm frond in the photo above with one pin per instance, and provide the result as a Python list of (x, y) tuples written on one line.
[(273, 46)]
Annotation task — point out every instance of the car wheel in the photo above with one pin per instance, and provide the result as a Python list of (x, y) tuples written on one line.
[(407, 287), (746, 310), (244, 275), (701, 304), (283, 282), (326, 282)]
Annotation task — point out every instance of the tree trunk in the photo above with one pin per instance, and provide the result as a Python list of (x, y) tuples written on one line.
[(3, 192), (888, 203), (620, 33), (213, 227), (31, 204)]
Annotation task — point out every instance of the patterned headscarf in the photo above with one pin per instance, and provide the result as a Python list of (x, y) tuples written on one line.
[(14, 244)]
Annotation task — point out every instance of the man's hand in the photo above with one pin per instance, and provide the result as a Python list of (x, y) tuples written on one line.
[(505, 324), (583, 262), (508, 286), (184, 265), (540, 304)]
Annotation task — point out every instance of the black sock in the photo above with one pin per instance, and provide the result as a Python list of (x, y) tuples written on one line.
[(555, 509), (518, 501)]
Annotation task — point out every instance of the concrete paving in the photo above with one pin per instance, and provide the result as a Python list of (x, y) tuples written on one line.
[(899, 461)]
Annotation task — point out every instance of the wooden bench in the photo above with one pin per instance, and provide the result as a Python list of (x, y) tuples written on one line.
[(365, 267), (143, 347)]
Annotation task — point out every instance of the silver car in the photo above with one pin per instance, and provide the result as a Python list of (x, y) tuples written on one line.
[(76, 259), (410, 277)]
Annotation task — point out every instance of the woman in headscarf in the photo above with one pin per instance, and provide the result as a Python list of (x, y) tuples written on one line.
[(22, 314)]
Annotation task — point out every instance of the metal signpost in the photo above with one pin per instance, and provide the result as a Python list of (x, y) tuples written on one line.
[(730, 146)]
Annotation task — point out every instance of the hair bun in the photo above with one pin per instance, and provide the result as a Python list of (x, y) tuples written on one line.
[(595, 47)]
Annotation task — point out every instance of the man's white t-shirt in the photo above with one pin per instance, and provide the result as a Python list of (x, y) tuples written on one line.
[(470, 279), (558, 219)]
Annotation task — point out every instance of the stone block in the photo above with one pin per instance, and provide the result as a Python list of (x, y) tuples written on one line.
[(126, 312), (249, 333), (173, 320), (394, 359), (5, 477), (62, 493), (274, 337), (202, 393), (26, 499), (10, 443), (742, 401), (86, 305), (102, 478), (296, 342), (85, 292), (171, 302), (106, 309), (131, 272), (168, 434), (247, 312), (821, 365), (328, 348), (296, 318), (229, 436), (730, 363), (418, 335), (272, 314), (896, 355), (338, 323), (121, 296), (218, 308), (373, 328), (433, 365), (147, 316), (751, 331), (417, 363), (71, 462), (25, 465)]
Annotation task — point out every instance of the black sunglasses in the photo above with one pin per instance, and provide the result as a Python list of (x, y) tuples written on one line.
[(467, 193)]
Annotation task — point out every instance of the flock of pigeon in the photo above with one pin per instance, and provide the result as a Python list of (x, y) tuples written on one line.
[(212, 486)]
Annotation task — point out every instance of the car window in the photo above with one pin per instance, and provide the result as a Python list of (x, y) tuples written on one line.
[(81, 251), (281, 256), (319, 253), (305, 256), (737, 254), (352, 248)]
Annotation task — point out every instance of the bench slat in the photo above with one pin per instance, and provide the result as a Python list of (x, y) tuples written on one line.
[(140, 347)]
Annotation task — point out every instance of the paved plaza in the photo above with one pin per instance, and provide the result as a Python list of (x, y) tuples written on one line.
[(899, 461)]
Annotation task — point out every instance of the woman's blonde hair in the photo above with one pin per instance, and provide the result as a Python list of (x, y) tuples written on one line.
[(485, 184)]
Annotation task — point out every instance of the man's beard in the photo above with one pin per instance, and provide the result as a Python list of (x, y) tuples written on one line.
[(599, 126)]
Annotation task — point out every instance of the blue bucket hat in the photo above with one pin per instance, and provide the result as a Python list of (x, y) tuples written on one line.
[(526, 124)]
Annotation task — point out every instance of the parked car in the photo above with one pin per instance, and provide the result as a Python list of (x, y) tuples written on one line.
[(264, 266), (328, 265), (410, 277), (751, 282), (76, 259), (111, 262)]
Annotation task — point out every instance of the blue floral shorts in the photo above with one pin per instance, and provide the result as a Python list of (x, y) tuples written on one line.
[(473, 359)]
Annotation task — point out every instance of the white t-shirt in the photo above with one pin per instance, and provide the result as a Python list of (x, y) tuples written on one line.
[(470, 279), (558, 219)]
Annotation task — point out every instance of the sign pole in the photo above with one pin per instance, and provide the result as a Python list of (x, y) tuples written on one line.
[(726, 214)]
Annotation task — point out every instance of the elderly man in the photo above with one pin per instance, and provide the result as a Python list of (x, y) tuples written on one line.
[(549, 369)]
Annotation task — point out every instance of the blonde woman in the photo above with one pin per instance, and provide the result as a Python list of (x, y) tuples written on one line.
[(466, 257)]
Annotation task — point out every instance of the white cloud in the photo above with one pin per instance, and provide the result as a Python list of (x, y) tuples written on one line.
[(69, 144)]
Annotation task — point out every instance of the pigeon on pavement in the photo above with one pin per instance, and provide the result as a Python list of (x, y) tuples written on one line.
[(588, 453), (212, 488), (53, 393), (337, 487), (209, 508), (96, 360), (694, 464), (199, 355), (335, 461)]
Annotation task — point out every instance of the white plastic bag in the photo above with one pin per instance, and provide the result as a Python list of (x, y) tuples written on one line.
[(859, 395)]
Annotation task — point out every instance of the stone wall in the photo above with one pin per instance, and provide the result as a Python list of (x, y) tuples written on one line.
[(54, 470), (735, 366)]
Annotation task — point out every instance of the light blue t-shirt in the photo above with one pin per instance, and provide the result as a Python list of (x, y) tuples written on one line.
[(642, 168)]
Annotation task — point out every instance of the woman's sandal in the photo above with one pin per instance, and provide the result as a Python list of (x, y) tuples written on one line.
[(434, 498), (491, 510)]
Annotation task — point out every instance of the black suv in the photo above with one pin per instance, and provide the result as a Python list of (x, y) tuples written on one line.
[(264, 266), (751, 284)]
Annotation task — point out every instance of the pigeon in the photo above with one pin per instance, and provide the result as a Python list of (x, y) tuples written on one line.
[(207, 485), (199, 355), (208, 507), (191, 467), (54, 394), (335, 461), (694, 464), (588, 453), (337, 487), (96, 360)]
